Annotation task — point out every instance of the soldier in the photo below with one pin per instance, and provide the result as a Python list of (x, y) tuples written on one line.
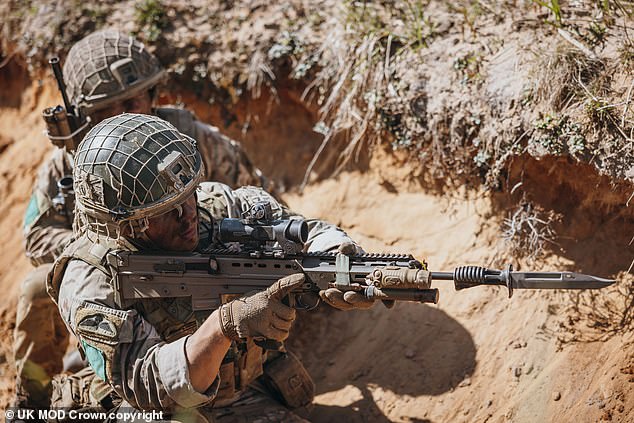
[(106, 73), (158, 354)]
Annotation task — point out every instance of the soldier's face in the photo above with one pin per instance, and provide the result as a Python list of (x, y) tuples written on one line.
[(174, 231), (141, 103)]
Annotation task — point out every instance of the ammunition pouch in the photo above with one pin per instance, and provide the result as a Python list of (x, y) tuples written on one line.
[(81, 391), (289, 381), (241, 366)]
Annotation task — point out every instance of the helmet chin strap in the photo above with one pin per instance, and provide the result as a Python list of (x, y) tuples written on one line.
[(138, 236), (179, 207)]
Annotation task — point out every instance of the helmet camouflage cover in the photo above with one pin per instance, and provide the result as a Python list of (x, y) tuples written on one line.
[(108, 66), (129, 168)]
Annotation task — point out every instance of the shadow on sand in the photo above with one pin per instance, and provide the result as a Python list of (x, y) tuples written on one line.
[(412, 349)]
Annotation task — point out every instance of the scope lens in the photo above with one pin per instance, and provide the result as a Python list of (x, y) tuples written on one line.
[(297, 231)]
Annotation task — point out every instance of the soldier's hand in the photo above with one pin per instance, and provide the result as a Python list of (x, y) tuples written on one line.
[(349, 248), (349, 300), (261, 314)]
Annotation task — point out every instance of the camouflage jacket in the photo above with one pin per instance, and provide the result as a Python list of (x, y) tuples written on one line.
[(139, 350), (47, 229)]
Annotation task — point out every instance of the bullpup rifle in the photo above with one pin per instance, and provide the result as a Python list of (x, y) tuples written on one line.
[(268, 250)]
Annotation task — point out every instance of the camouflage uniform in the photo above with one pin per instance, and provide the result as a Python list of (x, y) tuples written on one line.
[(47, 231), (143, 356)]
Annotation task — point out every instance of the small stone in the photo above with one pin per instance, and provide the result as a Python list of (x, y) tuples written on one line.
[(556, 396), (464, 383), (489, 403), (410, 354), (517, 371)]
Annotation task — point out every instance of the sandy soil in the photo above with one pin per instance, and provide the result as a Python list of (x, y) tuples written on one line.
[(476, 356)]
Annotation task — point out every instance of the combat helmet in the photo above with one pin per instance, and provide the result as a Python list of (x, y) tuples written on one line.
[(108, 66), (130, 168)]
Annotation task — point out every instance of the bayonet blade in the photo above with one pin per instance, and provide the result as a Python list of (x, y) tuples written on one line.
[(557, 280), (470, 276)]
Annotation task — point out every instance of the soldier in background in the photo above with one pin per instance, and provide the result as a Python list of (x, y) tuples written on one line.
[(158, 353), (106, 73)]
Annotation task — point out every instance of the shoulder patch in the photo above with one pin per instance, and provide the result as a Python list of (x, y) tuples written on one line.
[(102, 324)]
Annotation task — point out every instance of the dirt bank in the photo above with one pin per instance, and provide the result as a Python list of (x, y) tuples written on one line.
[(476, 356)]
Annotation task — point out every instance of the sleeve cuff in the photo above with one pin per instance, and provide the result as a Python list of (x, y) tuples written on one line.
[(174, 372)]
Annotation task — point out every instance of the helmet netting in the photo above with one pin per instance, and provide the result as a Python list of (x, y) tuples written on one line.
[(90, 79), (129, 168)]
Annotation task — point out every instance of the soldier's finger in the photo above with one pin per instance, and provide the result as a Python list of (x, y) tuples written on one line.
[(358, 300), (276, 334), (288, 314), (280, 323), (285, 285), (348, 248), (334, 297)]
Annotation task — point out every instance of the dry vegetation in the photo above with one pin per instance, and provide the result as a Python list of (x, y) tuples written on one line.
[(372, 69)]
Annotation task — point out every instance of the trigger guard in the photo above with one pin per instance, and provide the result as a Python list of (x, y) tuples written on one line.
[(300, 304)]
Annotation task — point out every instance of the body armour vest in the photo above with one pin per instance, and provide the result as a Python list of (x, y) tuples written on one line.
[(173, 318)]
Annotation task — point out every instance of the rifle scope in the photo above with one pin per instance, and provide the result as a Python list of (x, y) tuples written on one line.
[(282, 231)]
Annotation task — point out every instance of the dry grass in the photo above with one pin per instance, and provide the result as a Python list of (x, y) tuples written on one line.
[(598, 315), (528, 231), (359, 59)]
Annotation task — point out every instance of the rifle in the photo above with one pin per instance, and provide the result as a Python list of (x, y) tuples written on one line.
[(65, 125), (271, 249)]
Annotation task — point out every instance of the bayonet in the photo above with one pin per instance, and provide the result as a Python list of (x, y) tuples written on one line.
[(470, 276)]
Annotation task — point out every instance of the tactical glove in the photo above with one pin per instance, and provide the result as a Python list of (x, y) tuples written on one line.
[(349, 300), (261, 314)]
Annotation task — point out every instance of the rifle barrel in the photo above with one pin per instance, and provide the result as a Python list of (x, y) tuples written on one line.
[(442, 276), (59, 77)]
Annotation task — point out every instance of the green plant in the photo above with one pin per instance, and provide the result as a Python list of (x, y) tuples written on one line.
[(151, 17), (554, 7), (626, 53), (596, 34), (420, 27), (468, 66), (469, 11), (598, 109), (558, 135)]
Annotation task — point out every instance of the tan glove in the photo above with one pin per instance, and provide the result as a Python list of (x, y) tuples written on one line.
[(349, 300), (261, 314), (346, 300)]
